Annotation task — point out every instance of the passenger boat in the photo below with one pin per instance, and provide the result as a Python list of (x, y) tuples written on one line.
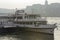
[(23, 21)]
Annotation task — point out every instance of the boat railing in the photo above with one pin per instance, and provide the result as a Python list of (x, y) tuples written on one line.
[(30, 20), (37, 26)]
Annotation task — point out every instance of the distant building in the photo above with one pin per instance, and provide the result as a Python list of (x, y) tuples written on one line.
[(46, 2)]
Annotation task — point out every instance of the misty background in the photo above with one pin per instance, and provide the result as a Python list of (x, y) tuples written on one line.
[(46, 10)]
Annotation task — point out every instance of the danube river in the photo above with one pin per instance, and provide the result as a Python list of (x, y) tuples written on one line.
[(53, 20), (27, 36), (34, 35)]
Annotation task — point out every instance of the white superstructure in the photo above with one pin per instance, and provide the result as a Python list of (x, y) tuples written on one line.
[(28, 19)]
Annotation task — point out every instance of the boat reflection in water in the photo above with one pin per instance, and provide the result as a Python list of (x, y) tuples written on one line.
[(28, 36)]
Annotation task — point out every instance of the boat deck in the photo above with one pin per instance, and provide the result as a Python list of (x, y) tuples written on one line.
[(7, 25)]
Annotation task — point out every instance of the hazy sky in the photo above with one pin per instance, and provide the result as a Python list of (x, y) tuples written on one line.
[(11, 4)]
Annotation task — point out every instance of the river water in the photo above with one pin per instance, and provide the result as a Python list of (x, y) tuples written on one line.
[(53, 20), (27, 36), (34, 35)]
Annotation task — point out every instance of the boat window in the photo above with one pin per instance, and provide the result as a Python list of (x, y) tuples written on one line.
[(19, 17)]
